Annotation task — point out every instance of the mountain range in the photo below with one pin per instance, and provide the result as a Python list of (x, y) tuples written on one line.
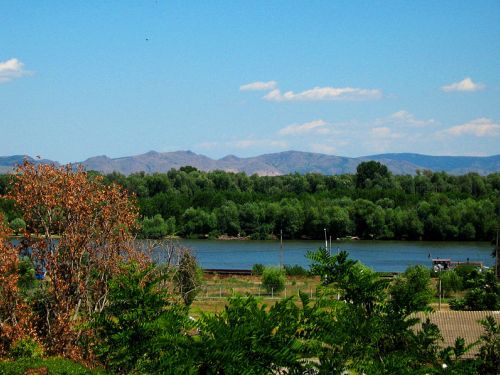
[(274, 164)]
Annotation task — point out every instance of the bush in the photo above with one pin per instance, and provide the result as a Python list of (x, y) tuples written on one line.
[(273, 279), (138, 320), (26, 348), (484, 296), (295, 270), (257, 269), (26, 273), (17, 225), (457, 304), (189, 277), (469, 274), (250, 338), (411, 291), (450, 282)]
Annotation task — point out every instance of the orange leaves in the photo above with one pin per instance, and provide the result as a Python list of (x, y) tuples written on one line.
[(15, 322), (54, 200), (78, 230), (5, 231)]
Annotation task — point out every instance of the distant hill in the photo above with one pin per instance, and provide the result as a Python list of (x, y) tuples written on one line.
[(276, 164), (9, 163), (450, 164)]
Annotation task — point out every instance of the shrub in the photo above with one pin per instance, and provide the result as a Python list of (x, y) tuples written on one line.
[(457, 304), (295, 270), (189, 277), (26, 348), (450, 282), (273, 279), (411, 291), (139, 320), (250, 338), (489, 352), (257, 269), (17, 225), (26, 273), (484, 296), (469, 274)]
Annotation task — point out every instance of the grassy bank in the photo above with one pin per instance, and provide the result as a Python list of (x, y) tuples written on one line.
[(57, 366), (217, 288)]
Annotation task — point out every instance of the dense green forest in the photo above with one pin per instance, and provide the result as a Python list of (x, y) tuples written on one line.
[(371, 204)]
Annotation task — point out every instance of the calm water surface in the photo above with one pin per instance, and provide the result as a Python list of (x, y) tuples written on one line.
[(388, 256)]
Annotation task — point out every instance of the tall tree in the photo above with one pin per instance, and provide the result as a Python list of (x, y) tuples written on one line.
[(78, 230), (368, 171)]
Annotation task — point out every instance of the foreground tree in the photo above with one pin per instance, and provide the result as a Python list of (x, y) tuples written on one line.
[(250, 338), (15, 317), (411, 291), (141, 323), (370, 328), (78, 231)]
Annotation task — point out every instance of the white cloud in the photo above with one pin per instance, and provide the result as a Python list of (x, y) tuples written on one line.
[(465, 85), (481, 127), (312, 126), (404, 118), (11, 69), (324, 94), (259, 86), (384, 132)]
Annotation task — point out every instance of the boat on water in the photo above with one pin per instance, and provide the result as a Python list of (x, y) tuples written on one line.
[(442, 264)]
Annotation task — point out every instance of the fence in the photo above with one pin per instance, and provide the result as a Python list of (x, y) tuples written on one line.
[(221, 291)]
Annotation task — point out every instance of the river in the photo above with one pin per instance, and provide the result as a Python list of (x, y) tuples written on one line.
[(382, 256)]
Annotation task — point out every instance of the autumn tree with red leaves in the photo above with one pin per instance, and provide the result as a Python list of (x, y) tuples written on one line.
[(15, 317), (78, 231)]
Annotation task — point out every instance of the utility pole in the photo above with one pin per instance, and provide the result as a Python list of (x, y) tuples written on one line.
[(326, 240)]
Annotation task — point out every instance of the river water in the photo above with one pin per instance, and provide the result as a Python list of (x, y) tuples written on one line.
[(382, 256)]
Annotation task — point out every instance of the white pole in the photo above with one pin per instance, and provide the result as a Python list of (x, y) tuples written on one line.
[(440, 291), (326, 241)]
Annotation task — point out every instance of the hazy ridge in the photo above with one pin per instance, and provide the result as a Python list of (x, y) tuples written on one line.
[(274, 164)]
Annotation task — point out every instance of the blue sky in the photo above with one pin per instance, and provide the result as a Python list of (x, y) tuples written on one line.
[(352, 78)]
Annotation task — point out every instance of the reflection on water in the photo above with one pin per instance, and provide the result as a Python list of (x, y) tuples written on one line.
[(388, 256)]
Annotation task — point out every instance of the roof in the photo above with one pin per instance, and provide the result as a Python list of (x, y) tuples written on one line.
[(454, 324)]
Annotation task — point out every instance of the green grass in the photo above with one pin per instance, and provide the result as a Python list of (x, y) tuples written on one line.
[(51, 366), (216, 289)]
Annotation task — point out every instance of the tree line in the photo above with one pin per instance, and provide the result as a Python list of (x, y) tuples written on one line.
[(371, 204)]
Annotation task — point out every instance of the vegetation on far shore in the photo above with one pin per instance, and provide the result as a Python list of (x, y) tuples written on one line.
[(371, 204)]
